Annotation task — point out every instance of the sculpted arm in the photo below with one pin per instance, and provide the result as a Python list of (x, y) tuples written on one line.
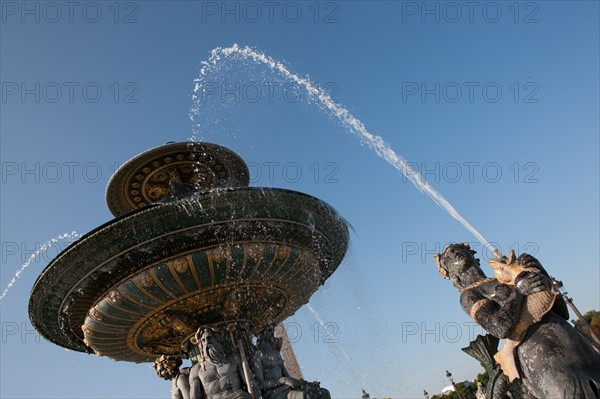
[(180, 385), (175, 392), (287, 378), (496, 319), (196, 391), (542, 282), (183, 383)]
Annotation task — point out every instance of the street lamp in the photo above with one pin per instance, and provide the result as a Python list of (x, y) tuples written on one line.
[(449, 376), (426, 394)]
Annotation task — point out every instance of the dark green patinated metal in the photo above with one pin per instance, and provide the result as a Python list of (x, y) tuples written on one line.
[(135, 287)]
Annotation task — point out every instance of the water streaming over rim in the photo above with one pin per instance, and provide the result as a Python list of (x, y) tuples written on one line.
[(69, 237)]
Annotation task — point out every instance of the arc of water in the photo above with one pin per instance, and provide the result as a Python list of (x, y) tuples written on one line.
[(375, 142), (70, 237)]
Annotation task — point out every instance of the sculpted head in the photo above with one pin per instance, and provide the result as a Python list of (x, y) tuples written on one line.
[(267, 337), (459, 265), (210, 347), (167, 367)]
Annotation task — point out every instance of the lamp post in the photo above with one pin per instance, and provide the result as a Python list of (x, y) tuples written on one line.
[(426, 394), (449, 376)]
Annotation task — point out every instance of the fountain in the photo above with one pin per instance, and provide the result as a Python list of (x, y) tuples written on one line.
[(193, 252)]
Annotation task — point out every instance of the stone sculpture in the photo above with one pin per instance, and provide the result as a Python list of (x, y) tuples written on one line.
[(218, 374), (553, 360), (273, 377), (191, 245), (167, 367)]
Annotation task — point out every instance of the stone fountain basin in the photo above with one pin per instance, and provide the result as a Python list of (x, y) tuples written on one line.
[(138, 286)]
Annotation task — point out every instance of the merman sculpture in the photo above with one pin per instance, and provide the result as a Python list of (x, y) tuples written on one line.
[(192, 247), (552, 358)]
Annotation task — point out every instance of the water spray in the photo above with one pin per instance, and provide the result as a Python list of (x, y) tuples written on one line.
[(68, 237), (357, 128), (354, 125), (496, 253)]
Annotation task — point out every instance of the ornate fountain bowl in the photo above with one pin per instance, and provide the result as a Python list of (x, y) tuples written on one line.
[(136, 287), (149, 177)]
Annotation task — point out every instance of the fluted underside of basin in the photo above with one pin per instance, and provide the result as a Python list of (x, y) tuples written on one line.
[(134, 288)]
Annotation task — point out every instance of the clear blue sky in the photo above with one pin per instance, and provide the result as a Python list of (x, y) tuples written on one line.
[(498, 102)]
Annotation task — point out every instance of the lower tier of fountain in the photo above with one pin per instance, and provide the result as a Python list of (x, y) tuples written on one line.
[(138, 286)]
